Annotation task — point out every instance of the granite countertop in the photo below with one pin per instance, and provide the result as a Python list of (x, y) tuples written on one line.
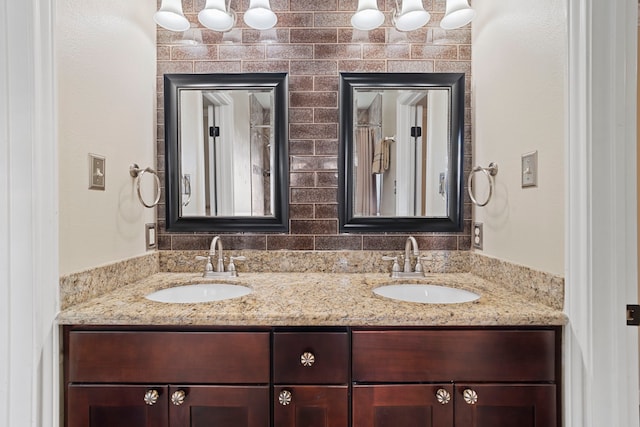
[(312, 299)]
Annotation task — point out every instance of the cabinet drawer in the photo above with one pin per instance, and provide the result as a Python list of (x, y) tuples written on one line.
[(311, 357), (166, 357), (456, 355)]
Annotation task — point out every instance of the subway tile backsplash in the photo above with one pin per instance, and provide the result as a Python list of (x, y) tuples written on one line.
[(313, 42)]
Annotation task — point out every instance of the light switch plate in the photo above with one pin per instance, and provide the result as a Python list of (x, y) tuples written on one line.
[(97, 175), (530, 169)]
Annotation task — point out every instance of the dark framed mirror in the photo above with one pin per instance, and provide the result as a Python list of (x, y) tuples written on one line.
[(226, 152), (401, 152)]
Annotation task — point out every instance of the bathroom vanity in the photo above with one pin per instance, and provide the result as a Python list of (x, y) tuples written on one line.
[(320, 352), (318, 377)]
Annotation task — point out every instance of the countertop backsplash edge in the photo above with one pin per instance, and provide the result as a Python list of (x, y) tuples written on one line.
[(80, 287), (76, 288)]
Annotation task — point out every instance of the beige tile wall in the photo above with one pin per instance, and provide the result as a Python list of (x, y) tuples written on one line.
[(313, 42)]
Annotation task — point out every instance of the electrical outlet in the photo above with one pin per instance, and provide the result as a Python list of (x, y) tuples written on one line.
[(530, 169), (477, 235), (150, 235), (97, 174)]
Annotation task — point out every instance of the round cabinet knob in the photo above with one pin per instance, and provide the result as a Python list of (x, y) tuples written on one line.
[(151, 397), (443, 396), (470, 396), (307, 358), (177, 398), (284, 397)]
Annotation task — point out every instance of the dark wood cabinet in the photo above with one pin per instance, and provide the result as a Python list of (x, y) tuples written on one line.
[(116, 405), (311, 377), (478, 377), (140, 378), (505, 405), (154, 406), (444, 405), (224, 406), (311, 406), (402, 405)]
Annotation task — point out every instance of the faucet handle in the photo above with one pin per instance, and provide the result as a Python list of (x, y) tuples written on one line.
[(418, 268), (232, 266), (396, 266), (209, 266)]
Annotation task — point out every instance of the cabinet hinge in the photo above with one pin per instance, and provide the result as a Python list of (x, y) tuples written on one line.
[(633, 315)]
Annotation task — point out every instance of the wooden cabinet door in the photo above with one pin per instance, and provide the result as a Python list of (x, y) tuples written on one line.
[(505, 405), (220, 406), (121, 405), (311, 406), (406, 405)]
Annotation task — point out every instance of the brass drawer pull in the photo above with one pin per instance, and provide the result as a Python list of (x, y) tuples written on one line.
[(470, 396), (285, 397), (177, 398), (307, 359), (443, 396), (151, 397)]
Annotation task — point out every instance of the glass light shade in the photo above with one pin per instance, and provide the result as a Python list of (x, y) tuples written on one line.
[(412, 16), (216, 17), (259, 15), (193, 37), (458, 14), (170, 16), (232, 36), (368, 16)]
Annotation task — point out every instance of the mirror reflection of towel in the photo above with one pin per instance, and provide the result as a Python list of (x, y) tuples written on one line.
[(381, 156)]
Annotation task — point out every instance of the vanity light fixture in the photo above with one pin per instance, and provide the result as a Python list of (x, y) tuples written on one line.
[(458, 13), (217, 16), (368, 16), (412, 15), (259, 15), (170, 16)]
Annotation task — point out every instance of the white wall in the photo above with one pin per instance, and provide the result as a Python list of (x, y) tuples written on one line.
[(519, 66), (106, 70), (28, 218)]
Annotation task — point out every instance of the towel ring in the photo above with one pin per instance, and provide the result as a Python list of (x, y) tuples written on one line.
[(136, 172), (489, 172)]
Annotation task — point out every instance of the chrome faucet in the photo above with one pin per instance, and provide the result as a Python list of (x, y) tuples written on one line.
[(217, 243), (410, 248), (409, 245), (209, 271)]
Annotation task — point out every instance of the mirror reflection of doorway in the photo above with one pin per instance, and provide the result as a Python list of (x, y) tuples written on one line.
[(401, 153), (226, 145)]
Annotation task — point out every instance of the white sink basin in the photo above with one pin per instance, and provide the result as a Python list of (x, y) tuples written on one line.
[(430, 294), (203, 292)]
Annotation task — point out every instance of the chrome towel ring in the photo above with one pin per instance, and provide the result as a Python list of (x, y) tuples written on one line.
[(489, 172), (136, 172)]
